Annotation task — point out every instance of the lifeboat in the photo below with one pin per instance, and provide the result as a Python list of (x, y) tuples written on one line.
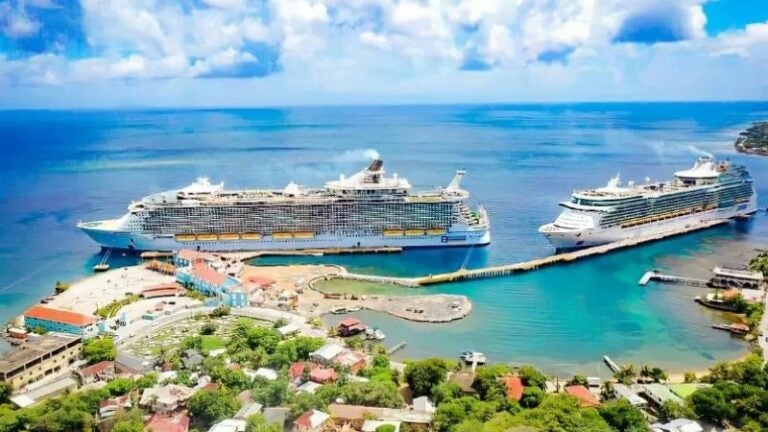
[(229, 236), (436, 231), (393, 232), (282, 235), (250, 236), (207, 237), (185, 237), (304, 234), (414, 232)]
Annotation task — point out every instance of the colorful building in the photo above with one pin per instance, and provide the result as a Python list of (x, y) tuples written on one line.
[(203, 274), (60, 321)]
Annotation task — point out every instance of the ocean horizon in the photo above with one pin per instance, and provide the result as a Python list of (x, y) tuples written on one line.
[(63, 166)]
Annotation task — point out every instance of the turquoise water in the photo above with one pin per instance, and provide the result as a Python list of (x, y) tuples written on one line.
[(61, 167)]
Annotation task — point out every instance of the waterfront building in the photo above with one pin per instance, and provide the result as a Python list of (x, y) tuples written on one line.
[(708, 191), (326, 353), (732, 277), (60, 321), (311, 421), (365, 210), (585, 397), (684, 390), (208, 278), (659, 393), (625, 392), (42, 357), (350, 327)]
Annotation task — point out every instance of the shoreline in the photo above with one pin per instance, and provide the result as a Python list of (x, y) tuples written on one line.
[(750, 151)]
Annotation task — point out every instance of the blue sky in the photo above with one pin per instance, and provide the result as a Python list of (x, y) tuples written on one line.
[(145, 53)]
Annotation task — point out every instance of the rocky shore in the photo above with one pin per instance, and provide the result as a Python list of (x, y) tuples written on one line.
[(754, 140)]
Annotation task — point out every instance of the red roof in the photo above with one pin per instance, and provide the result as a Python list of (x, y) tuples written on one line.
[(515, 387), (97, 368), (297, 369), (587, 399), (322, 375), (59, 315), (350, 322), (161, 423), (120, 401), (191, 255), (207, 274)]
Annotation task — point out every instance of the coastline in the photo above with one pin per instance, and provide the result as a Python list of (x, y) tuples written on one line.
[(750, 151)]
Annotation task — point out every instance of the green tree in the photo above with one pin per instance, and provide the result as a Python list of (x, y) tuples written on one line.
[(578, 380), (129, 422), (295, 349), (710, 405), (208, 328), (623, 417), (531, 377), (210, 406), (626, 374), (99, 349), (376, 394), (488, 385), (671, 410), (385, 428), (6, 389), (270, 393), (445, 392), (690, 377), (448, 415), (560, 413), (120, 386), (146, 381), (257, 423), (425, 374), (61, 287), (263, 337), (355, 342), (532, 397), (657, 374), (220, 311)]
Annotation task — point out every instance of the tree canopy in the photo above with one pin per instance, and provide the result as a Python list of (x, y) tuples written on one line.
[(423, 375), (99, 349), (210, 406)]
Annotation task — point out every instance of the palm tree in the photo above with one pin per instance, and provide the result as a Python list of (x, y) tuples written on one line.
[(607, 391), (645, 372), (260, 357), (626, 375), (658, 374)]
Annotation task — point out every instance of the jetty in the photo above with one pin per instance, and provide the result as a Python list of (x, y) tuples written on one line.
[(654, 275), (611, 364), (562, 258)]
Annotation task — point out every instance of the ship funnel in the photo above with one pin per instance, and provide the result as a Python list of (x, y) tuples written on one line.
[(376, 165), (455, 184)]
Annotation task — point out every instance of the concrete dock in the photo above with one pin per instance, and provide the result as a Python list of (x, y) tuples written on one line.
[(660, 277)]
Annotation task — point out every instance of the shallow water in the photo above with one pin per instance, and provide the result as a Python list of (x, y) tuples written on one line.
[(61, 167)]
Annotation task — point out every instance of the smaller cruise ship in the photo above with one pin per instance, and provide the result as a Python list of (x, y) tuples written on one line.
[(708, 191)]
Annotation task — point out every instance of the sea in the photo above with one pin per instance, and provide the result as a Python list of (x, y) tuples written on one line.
[(61, 167)]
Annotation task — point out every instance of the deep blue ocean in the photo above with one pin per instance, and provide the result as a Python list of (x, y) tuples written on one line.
[(59, 167)]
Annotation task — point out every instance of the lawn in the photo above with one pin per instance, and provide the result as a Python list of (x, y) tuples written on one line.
[(213, 342)]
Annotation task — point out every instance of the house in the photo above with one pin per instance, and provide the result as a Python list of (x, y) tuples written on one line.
[(191, 359), (276, 415), (126, 362), (42, 357), (687, 389), (594, 382), (350, 327), (267, 374), (352, 360), (659, 393), (60, 321), (678, 425), (625, 392), (327, 353), (248, 409), (102, 371), (109, 407), (229, 425), (289, 330), (308, 387), (423, 404), (353, 413), (514, 387), (373, 425), (586, 398), (317, 373), (464, 380), (205, 277), (311, 421), (185, 257), (166, 399), (168, 423)]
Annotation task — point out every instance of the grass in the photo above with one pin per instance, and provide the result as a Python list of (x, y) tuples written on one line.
[(111, 309), (213, 342)]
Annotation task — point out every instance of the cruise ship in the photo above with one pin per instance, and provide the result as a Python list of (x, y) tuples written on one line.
[(709, 190), (365, 210)]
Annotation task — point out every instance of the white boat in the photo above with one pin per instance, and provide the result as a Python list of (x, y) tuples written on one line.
[(359, 211), (708, 191), (473, 357), (374, 334)]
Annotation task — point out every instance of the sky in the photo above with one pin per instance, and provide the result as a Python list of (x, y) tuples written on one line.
[(202, 53)]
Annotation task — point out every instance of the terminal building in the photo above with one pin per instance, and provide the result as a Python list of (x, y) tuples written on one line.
[(41, 357), (60, 321)]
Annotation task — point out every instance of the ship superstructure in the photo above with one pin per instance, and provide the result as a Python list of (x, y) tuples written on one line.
[(365, 210), (709, 190)]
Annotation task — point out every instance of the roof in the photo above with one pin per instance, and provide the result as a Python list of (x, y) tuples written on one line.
[(161, 423), (165, 395), (229, 425), (687, 389), (59, 315), (269, 374), (311, 419), (515, 387), (248, 410), (276, 415), (660, 392), (679, 425), (297, 369), (34, 349), (359, 412), (349, 322), (626, 393), (422, 403), (584, 395), (463, 380), (323, 375), (191, 255), (309, 387), (260, 280), (288, 329), (201, 271), (97, 368), (328, 352)]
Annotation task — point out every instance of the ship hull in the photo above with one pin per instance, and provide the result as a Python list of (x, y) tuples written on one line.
[(143, 242), (565, 240)]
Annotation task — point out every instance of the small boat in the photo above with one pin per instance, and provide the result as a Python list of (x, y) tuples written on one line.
[(470, 357), (374, 334), (354, 309), (101, 267), (339, 311)]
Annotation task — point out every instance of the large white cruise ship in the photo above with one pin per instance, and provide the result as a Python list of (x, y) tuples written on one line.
[(364, 210), (708, 191)]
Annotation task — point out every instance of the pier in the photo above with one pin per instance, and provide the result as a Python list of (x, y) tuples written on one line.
[(660, 277), (509, 269), (248, 255)]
